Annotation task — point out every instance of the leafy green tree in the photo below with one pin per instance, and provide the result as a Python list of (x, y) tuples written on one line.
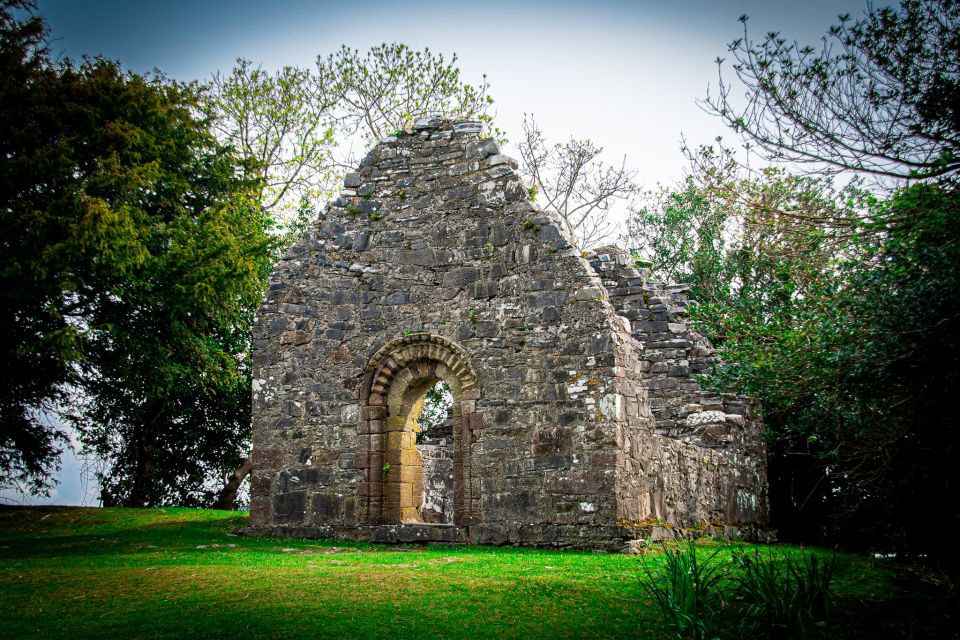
[(881, 97), (166, 367), (738, 234), (391, 85), (134, 253), (836, 310), (856, 379), (40, 341), (283, 124)]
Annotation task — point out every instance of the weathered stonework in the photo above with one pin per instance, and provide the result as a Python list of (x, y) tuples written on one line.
[(576, 413)]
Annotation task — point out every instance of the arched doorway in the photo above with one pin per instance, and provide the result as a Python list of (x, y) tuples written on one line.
[(397, 379)]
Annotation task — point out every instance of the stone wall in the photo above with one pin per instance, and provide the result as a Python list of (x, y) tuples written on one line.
[(716, 441), (576, 413)]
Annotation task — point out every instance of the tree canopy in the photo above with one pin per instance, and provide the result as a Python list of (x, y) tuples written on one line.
[(134, 252), (297, 127), (39, 343)]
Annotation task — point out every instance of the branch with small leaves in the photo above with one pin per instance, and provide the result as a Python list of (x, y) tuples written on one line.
[(571, 180)]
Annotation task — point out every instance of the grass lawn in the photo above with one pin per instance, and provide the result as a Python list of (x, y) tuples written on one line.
[(182, 573)]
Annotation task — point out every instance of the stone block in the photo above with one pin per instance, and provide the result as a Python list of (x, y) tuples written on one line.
[(267, 459), (578, 482), (467, 127), (486, 289), (491, 534), (399, 297), (327, 507), (289, 507), (296, 338), (552, 441), (460, 277)]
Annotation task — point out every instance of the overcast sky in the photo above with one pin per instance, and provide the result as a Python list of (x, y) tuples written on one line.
[(626, 74)]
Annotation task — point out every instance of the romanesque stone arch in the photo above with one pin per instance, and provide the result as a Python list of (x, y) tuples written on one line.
[(391, 396)]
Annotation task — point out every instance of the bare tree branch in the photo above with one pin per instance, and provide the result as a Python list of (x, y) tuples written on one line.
[(575, 183), (881, 97)]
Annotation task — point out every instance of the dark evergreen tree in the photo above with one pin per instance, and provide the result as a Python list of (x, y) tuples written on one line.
[(133, 256)]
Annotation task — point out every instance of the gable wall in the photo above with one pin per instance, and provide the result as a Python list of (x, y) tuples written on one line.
[(435, 235)]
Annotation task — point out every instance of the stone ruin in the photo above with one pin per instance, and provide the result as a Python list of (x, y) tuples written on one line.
[(577, 418)]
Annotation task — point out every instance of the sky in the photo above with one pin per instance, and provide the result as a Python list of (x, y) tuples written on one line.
[(627, 75)]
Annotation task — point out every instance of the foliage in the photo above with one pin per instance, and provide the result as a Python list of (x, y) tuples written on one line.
[(777, 592), (688, 236), (760, 238), (436, 404), (391, 85), (766, 593), (686, 590), (134, 251), (836, 310), (296, 128), (282, 124), (40, 343), (881, 97), (574, 183), (165, 375)]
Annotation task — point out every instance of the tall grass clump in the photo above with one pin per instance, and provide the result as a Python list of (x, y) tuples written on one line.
[(777, 592), (686, 590)]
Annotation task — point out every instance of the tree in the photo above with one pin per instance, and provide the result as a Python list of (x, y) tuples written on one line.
[(283, 125), (732, 232), (134, 253), (573, 182), (391, 85), (297, 127), (881, 97), (39, 342), (856, 377), (836, 310), (166, 367)]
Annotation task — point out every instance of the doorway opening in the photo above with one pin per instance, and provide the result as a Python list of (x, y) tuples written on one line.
[(434, 439)]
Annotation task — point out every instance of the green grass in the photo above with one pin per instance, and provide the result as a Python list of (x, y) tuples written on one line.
[(182, 573)]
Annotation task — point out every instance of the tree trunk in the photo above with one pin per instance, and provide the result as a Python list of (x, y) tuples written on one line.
[(143, 475), (228, 496)]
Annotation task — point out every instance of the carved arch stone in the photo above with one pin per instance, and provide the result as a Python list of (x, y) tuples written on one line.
[(391, 396)]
